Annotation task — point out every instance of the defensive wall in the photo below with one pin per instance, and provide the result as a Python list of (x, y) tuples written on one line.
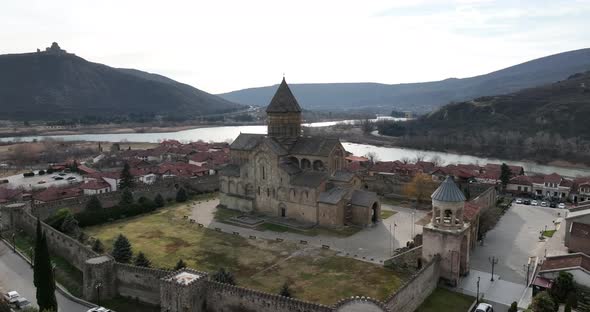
[(155, 287)]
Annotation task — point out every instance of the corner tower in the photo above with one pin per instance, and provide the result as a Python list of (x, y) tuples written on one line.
[(284, 114)]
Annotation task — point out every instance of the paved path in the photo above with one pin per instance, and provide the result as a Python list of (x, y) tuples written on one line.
[(16, 274), (373, 244)]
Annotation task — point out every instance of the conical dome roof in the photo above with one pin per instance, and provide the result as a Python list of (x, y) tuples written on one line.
[(283, 101), (448, 191)]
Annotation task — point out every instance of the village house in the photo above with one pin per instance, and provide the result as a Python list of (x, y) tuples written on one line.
[(553, 186), (577, 231), (95, 187), (51, 194)]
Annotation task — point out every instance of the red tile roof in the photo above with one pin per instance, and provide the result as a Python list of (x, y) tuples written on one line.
[(86, 170), (357, 158), (94, 185), (521, 180), (8, 194), (54, 193), (552, 178)]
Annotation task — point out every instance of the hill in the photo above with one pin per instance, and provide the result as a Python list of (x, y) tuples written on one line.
[(54, 85), (424, 97), (541, 123)]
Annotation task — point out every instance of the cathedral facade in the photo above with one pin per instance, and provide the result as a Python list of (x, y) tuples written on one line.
[(284, 174)]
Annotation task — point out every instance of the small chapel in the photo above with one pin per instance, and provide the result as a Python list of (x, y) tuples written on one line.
[(287, 175)]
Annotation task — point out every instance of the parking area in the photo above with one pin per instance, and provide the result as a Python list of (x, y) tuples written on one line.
[(42, 181), (514, 239)]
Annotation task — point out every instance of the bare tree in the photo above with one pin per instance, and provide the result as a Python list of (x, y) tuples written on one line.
[(372, 156), (436, 160), (367, 125)]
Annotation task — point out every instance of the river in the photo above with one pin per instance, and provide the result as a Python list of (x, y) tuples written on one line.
[(229, 133)]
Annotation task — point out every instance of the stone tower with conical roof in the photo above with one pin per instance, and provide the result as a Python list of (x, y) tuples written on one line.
[(284, 115), (447, 234)]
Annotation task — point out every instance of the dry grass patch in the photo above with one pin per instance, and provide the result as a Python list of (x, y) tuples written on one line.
[(316, 275)]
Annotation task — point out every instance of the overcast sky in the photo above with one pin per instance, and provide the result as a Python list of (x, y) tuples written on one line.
[(220, 46)]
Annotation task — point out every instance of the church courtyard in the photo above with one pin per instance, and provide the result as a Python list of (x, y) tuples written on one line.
[(314, 274)]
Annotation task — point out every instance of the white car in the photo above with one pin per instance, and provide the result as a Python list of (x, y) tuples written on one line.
[(11, 296), (519, 201), (561, 206), (535, 203), (543, 204), (484, 307), (21, 303), (99, 309)]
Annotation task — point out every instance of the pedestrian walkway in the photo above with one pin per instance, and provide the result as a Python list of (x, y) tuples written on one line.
[(498, 290)]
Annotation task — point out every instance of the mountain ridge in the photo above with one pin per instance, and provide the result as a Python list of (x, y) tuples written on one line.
[(55, 85), (424, 96)]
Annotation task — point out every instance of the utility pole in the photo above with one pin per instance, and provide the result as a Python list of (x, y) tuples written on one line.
[(528, 271), (477, 298), (98, 286), (14, 242), (493, 260)]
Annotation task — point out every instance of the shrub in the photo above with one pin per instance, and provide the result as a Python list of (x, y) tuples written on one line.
[(159, 201), (142, 261), (181, 195), (97, 246)]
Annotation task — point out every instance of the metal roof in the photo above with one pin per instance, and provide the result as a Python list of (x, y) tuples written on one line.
[(448, 191), (283, 101)]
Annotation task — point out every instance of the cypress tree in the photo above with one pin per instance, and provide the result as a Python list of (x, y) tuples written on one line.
[(36, 265), (285, 291), (142, 261), (127, 180), (46, 281), (122, 250), (181, 196), (159, 201), (505, 174), (179, 265)]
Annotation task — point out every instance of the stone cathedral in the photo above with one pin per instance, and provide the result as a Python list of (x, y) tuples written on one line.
[(284, 174)]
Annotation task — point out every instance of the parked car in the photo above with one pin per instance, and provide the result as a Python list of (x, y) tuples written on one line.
[(484, 307), (561, 206), (519, 201), (543, 204), (58, 178), (99, 309), (21, 303), (526, 202), (61, 174), (71, 178), (11, 296), (553, 204), (535, 203), (42, 182)]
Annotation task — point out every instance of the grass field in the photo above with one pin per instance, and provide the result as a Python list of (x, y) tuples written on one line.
[(444, 300), (387, 213), (313, 274), (549, 233)]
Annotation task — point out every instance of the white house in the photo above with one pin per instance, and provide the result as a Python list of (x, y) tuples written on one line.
[(95, 187)]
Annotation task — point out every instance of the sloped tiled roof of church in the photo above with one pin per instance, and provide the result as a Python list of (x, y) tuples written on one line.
[(247, 141), (283, 101), (363, 198), (332, 196), (314, 146), (448, 191), (309, 178)]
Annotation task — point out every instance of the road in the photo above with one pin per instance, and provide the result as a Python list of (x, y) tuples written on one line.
[(16, 274)]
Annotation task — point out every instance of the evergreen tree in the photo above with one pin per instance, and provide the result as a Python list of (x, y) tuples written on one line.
[(38, 238), (126, 198), (223, 276), (181, 196), (97, 246), (4, 307), (70, 225), (159, 201), (94, 204), (285, 291), (142, 261), (543, 302), (505, 174), (46, 282), (179, 265), (564, 285), (127, 180), (122, 250), (513, 307)]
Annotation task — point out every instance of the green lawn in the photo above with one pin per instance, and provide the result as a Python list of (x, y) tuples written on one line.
[(444, 300), (121, 304), (313, 274), (549, 233)]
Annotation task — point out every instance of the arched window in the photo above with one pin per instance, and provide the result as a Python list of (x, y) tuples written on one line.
[(293, 195), (263, 173), (305, 163), (267, 192), (259, 190)]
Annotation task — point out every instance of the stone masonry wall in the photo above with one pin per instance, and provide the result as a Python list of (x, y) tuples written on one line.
[(138, 282), (409, 297), (60, 244), (405, 259), (227, 298), (166, 188)]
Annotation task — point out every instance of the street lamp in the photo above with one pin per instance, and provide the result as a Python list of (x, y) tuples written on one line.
[(98, 286), (493, 260), (14, 242)]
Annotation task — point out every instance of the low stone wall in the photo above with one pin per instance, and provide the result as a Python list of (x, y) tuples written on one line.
[(167, 188), (138, 282), (409, 297), (228, 298), (408, 258)]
